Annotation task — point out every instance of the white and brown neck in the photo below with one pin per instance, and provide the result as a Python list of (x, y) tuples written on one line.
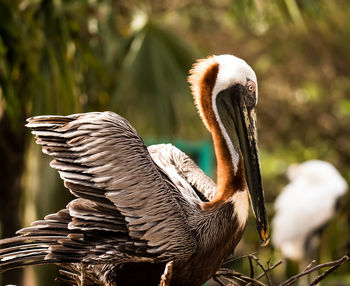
[(231, 183)]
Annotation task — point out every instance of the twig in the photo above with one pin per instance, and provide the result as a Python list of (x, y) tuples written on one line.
[(270, 268), (217, 279), (330, 270), (337, 263), (232, 259), (263, 269), (236, 277), (279, 262), (251, 267), (309, 266), (233, 275)]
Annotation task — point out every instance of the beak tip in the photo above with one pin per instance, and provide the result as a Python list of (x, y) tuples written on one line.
[(265, 242), (265, 239)]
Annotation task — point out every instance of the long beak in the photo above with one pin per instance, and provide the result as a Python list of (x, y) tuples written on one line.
[(240, 122)]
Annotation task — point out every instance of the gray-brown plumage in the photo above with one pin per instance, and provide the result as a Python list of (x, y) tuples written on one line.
[(138, 209)]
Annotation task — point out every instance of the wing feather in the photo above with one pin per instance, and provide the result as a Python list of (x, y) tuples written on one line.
[(178, 165), (127, 208), (103, 160)]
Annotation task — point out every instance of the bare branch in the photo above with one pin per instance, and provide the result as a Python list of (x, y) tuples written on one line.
[(251, 267), (233, 276), (342, 260), (335, 263), (263, 269), (279, 262), (270, 268), (232, 259), (218, 280), (236, 278), (309, 266)]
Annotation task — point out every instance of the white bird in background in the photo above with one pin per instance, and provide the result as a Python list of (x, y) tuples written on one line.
[(304, 206)]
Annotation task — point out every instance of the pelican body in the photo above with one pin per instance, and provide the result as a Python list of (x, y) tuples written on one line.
[(139, 210)]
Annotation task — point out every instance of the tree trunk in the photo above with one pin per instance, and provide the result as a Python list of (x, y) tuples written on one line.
[(12, 148)]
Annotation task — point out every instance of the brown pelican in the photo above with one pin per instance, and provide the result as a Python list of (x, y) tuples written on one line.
[(139, 210)]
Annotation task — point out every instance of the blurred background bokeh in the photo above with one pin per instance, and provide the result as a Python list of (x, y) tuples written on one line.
[(133, 57)]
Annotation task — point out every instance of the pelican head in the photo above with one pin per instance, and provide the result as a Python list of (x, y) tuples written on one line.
[(225, 91)]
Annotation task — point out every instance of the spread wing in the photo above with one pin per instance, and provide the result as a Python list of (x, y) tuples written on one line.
[(182, 170), (126, 208)]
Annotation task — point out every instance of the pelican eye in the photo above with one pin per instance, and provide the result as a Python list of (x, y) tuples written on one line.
[(251, 87), (250, 98)]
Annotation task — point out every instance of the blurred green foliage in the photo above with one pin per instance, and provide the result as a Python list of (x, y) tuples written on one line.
[(64, 56)]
